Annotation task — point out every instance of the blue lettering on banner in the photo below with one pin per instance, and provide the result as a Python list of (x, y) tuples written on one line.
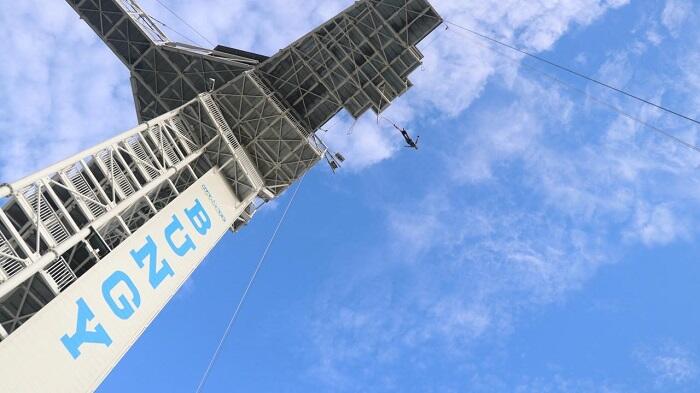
[(150, 251), (213, 202), (199, 218), (122, 309), (186, 246), (119, 291), (82, 335)]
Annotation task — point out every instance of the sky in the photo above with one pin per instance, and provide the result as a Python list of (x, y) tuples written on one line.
[(537, 242)]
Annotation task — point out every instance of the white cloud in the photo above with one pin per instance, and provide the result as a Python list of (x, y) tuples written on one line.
[(675, 14), (246, 24), (617, 69), (654, 37), (561, 384), (669, 365), (658, 225), (504, 133), (584, 193), (465, 275), (362, 143), (56, 99), (689, 82), (458, 66)]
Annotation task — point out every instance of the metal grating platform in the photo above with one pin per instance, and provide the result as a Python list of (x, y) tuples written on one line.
[(359, 60)]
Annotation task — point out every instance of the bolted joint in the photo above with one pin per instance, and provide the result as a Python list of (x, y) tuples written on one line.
[(6, 190)]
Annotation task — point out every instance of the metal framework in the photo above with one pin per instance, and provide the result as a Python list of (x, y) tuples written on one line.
[(358, 60), (164, 74), (258, 128)]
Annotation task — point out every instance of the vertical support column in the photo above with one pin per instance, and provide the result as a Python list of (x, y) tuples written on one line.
[(35, 218), (31, 256), (168, 130), (52, 284), (129, 172), (93, 179), (3, 333), (146, 164), (144, 140), (78, 200), (58, 202), (123, 224)]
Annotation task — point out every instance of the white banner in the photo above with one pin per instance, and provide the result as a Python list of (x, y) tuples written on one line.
[(75, 341)]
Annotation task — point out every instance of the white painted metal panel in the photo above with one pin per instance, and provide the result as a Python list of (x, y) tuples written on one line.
[(75, 341)]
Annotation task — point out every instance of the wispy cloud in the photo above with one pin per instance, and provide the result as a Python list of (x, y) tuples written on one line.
[(669, 365), (564, 187), (561, 384), (56, 100), (675, 15)]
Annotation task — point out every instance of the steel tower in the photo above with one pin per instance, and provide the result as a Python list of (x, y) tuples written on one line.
[(93, 247)]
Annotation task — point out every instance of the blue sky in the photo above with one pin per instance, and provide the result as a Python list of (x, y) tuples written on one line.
[(537, 242)]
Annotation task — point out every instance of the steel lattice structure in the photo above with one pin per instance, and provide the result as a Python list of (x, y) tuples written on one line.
[(252, 118)]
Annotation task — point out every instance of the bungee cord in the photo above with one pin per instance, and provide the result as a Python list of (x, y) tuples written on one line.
[(253, 277)]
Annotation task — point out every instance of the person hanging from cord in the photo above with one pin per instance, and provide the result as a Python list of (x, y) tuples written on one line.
[(410, 142)]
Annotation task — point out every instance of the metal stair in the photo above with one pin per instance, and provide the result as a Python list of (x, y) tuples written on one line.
[(135, 147), (8, 265), (113, 169), (77, 180), (183, 134), (162, 142), (48, 217), (238, 150), (61, 273)]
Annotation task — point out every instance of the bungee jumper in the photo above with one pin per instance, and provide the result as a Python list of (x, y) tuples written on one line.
[(410, 142)]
